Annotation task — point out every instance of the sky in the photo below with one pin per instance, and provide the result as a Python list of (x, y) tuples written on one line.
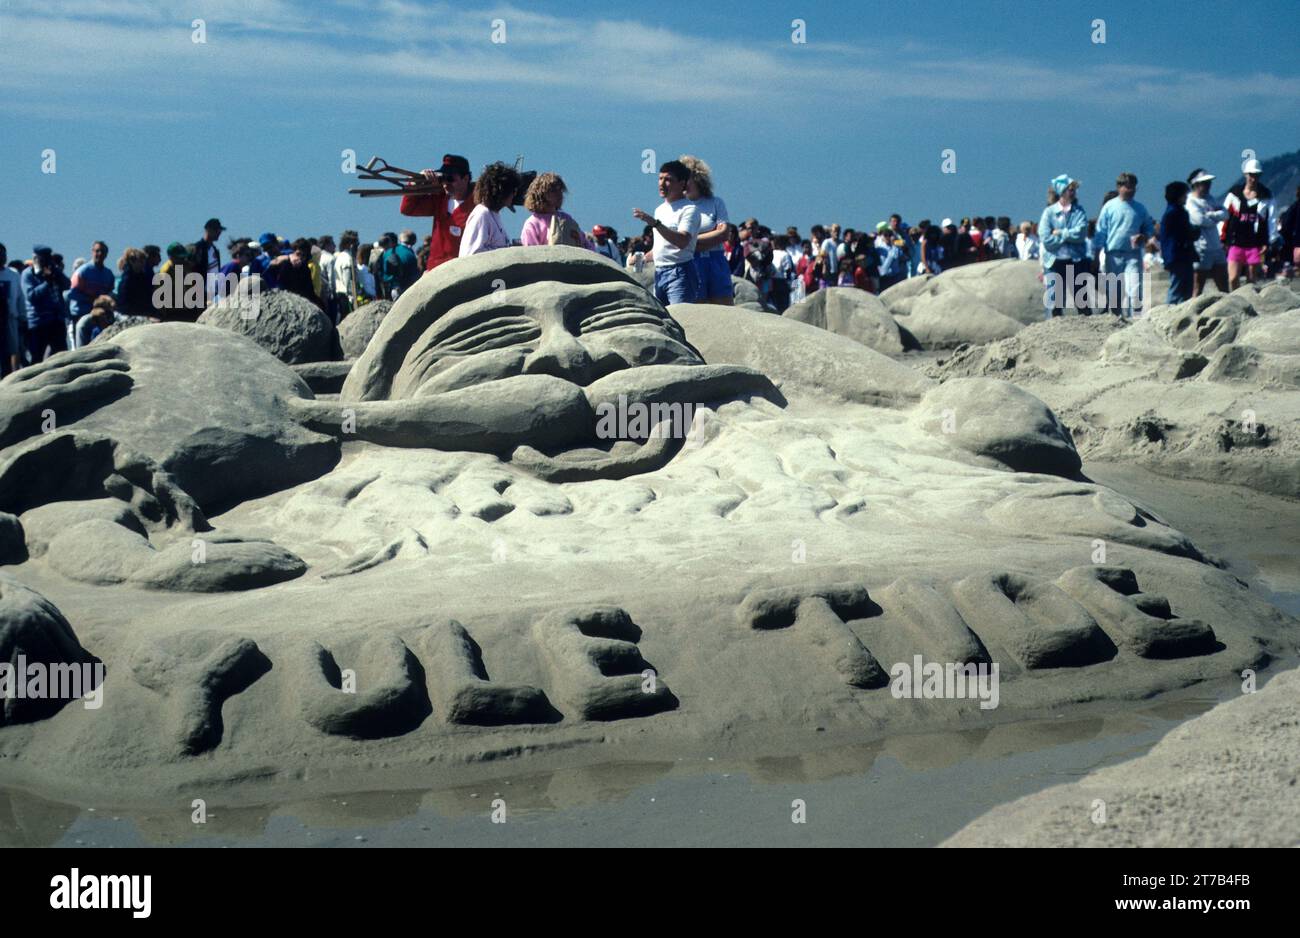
[(152, 132)]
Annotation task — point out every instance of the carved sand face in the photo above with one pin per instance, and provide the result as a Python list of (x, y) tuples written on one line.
[(520, 352), (578, 332)]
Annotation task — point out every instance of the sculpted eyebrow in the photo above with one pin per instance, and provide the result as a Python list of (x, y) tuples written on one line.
[(445, 330), (623, 316), (498, 327)]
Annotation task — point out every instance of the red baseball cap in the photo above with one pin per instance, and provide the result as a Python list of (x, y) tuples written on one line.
[(451, 163)]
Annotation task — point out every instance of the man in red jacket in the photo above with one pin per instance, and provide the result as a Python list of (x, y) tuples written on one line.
[(449, 204)]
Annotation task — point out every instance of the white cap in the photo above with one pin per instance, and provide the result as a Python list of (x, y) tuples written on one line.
[(945, 223), (1252, 166), (1202, 176)]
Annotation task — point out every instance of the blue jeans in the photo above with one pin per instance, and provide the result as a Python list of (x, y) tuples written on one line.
[(1065, 287), (1180, 283), (1128, 266), (676, 284)]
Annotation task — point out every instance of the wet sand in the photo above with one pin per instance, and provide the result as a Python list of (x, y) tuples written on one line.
[(907, 791), (902, 791)]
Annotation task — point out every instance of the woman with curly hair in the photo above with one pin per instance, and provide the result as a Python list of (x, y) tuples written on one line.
[(547, 224), (711, 265), (494, 190)]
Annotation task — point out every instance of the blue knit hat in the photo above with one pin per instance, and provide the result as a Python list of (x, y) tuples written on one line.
[(1061, 183)]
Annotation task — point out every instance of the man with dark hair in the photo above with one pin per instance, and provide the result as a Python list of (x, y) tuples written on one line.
[(153, 258), (899, 232), (179, 290), (1001, 236), (241, 257), (1122, 229), (783, 273), (450, 204), (344, 282), (1177, 243), (295, 275), (205, 256), (676, 225), (89, 282), (43, 285), (825, 259), (398, 266), (325, 269), (270, 262)]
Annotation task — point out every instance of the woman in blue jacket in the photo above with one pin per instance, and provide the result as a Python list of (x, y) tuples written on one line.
[(1064, 248)]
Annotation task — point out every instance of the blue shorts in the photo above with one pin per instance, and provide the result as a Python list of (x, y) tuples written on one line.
[(714, 274), (676, 284)]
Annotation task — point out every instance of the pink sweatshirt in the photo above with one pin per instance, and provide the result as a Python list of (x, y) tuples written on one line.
[(537, 230)]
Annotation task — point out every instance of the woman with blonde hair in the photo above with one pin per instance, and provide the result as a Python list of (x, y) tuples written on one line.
[(547, 224), (711, 266)]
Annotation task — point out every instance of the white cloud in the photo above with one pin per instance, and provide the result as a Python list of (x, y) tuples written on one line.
[(142, 49)]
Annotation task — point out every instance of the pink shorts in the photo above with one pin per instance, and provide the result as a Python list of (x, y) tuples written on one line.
[(1251, 257)]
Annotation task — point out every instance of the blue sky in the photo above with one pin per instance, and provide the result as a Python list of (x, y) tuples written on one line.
[(153, 133)]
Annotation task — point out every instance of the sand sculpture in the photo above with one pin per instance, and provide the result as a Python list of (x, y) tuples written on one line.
[(464, 556), (967, 305), (1205, 389)]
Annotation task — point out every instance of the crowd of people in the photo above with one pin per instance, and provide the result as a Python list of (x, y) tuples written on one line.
[(689, 240)]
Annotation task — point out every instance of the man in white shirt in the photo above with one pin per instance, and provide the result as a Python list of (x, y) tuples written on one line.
[(343, 277), (326, 267), (676, 224)]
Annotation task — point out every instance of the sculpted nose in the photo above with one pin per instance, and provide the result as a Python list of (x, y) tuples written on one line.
[(562, 355)]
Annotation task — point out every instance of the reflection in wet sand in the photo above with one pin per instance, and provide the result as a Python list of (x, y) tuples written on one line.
[(29, 821), (26, 820)]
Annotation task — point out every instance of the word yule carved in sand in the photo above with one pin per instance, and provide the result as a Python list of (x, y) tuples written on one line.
[(452, 560)]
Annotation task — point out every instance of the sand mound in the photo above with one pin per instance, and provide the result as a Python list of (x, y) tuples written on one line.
[(1205, 389), (970, 304), (207, 406), (357, 329), (291, 328), (1036, 351), (854, 314), (1226, 779), (801, 359), (746, 295)]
